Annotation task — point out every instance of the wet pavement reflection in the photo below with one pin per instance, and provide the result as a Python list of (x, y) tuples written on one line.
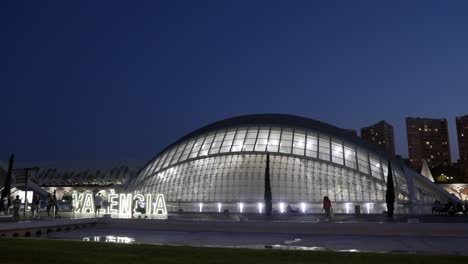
[(277, 241)]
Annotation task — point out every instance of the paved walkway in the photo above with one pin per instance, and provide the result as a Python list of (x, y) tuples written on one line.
[(374, 236), (45, 223), (288, 227), (262, 240)]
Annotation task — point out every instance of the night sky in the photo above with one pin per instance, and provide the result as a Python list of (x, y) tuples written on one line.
[(120, 80)]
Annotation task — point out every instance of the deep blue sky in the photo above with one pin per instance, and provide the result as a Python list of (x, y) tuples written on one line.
[(122, 79)]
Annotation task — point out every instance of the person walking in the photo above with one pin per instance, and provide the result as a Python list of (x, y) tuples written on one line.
[(49, 203), (5, 205), (327, 206), (56, 207), (16, 207), (35, 206), (97, 204)]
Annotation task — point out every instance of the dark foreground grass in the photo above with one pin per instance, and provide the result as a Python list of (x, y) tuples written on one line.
[(14, 251)]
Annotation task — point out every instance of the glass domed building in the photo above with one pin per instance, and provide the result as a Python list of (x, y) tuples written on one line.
[(221, 167)]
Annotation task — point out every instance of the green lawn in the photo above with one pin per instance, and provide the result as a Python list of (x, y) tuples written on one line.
[(54, 251)]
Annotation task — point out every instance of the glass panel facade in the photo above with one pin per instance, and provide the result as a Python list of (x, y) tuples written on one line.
[(293, 180), (350, 156), (178, 153), (286, 141), (363, 161), (187, 150), (161, 161), (324, 147), (299, 142), (262, 139), (337, 152), (238, 143), (274, 140), (312, 145), (376, 168), (426, 194), (196, 147), (170, 156), (227, 142), (218, 140), (401, 183), (152, 168), (304, 167), (250, 139), (206, 145)]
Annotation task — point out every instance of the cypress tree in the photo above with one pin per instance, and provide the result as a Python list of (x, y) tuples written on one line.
[(390, 193), (268, 203), (7, 187)]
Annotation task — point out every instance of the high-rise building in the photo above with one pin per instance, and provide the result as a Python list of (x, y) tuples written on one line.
[(380, 134), (462, 133), (428, 139)]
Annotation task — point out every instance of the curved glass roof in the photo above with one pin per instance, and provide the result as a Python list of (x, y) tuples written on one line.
[(274, 133)]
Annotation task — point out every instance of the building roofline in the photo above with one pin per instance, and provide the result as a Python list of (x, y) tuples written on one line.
[(282, 120)]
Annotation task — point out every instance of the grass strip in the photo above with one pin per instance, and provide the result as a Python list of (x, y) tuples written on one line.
[(19, 251)]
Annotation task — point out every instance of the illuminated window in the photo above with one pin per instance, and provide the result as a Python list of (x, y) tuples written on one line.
[(262, 139), (274, 140), (206, 145), (350, 156), (286, 141), (337, 152), (312, 145), (375, 167), (227, 142), (239, 140), (324, 147), (299, 142)]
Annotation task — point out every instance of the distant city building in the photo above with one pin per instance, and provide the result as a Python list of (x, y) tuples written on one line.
[(462, 133), (380, 134), (428, 139)]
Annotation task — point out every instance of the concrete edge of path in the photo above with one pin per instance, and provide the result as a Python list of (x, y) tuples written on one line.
[(378, 229), (53, 224)]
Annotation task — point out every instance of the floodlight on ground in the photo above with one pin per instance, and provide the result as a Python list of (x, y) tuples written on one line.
[(281, 207), (260, 207)]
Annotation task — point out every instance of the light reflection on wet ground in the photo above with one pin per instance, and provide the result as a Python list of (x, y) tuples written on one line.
[(109, 239), (341, 243)]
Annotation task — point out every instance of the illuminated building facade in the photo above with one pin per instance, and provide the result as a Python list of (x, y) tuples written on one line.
[(380, 134), (428, 139), (462, 133), (221, 167)]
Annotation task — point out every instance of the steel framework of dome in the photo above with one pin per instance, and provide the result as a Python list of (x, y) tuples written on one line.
[(221, 167)]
